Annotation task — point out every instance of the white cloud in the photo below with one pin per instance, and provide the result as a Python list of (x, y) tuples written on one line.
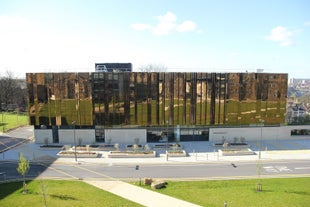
[(167, 24), (168, 17), (186, 26), (13, 23), (281, 35)]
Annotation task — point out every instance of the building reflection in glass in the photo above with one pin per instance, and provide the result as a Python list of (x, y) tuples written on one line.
[(104, 99)]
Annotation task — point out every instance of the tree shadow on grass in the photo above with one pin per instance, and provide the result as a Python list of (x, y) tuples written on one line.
[(297, 192), (286, 191), (63, 197), (9, 188)]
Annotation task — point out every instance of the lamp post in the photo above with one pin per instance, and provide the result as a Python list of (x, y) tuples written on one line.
[(73, 123), (167, 137), (2, 122), (261, 137)]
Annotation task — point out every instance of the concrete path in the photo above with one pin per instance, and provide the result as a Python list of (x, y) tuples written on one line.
[(139, 195)]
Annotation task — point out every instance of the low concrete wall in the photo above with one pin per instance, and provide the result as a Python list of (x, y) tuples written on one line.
[(41, 135), (125, 136), (87, 136), (255, 133)]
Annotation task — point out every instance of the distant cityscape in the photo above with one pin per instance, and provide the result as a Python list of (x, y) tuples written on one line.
[(298, 101), (300, 85)]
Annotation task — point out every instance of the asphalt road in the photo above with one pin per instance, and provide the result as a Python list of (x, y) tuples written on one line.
[(168, 171), (15, 137), (182, 171), (22, 132)]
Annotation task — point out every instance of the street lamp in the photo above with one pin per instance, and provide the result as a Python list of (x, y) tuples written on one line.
[(261, 136), (73, 123), (2, 121), (167, 137)]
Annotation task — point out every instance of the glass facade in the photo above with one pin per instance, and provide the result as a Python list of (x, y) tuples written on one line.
[(105, 99), (59, 99)]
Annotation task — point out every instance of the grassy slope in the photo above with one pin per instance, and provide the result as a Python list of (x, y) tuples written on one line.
[(276, 192), (12, 120), (59, 193)]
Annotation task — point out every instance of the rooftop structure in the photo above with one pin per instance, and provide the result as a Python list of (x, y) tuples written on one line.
[(113, 67)]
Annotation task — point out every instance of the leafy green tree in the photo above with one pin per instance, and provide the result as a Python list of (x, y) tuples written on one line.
[(23, 168)]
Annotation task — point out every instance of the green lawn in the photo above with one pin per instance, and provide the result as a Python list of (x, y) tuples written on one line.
[(282, 192), (59, 193), (11, 120), (276, 192)]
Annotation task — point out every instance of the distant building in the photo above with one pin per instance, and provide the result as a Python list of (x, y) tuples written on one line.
[(259, 70), (113, 67), (296, 113)]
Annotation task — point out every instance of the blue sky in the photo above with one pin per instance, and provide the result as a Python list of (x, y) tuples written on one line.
[(196, 35)]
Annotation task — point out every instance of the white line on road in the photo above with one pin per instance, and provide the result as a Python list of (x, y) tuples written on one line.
[(302, 168), (283, 168)]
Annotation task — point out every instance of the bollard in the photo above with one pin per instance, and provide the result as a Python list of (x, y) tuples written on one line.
[(259, 187)]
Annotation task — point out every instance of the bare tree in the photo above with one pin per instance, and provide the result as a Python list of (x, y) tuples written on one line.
[(259, 173), (44, 189), (13, 91), (153, 68)]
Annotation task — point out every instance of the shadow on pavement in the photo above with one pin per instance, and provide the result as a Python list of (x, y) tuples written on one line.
[(11, 145)]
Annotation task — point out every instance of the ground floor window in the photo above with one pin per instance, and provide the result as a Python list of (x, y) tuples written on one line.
[(300, 132)]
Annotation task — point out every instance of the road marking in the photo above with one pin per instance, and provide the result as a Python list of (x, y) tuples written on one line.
[(57, 170), (302, 168), (283, 169), (101, 174), (270, 169), (277, 169)]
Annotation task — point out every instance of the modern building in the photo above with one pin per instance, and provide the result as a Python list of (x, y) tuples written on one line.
[(113, 67), (109, 106), (296, 113)]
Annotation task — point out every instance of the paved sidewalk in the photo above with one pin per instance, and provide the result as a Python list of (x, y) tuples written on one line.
[(33, 152), (140, 195)]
